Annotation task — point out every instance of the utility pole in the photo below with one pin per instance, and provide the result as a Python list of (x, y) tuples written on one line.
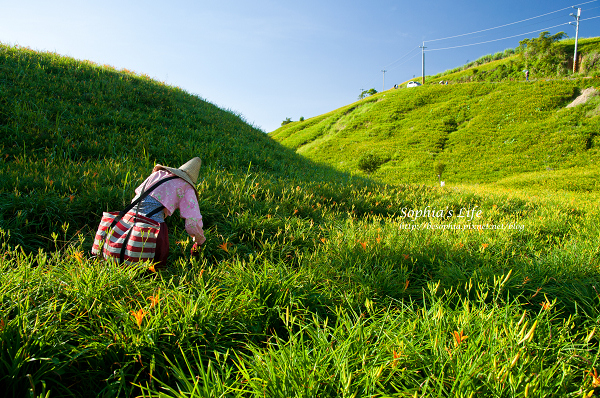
[(383, 87), (423, 63), (576, 36)]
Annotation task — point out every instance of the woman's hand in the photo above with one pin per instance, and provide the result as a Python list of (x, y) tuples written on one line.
[(199, 239)]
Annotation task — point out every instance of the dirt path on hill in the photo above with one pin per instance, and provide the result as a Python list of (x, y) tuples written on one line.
[(584, 97)]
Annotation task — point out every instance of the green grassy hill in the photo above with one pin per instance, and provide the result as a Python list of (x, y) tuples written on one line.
[(509, 64), (487, 125), (77, 138), (313, 281), (483, 132)]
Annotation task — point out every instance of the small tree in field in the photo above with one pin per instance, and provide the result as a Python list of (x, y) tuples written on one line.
[(286, 121), (369, 163), (366, 93)]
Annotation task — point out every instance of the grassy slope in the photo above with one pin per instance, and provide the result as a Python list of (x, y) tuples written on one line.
[(515, 64), (76, 139), (311, 283), (483, 132)]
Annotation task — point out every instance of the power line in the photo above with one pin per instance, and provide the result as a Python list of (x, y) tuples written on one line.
[(405, 61), (587, 19), (504, 38), (488, 41), (399, 59), (512, 23)]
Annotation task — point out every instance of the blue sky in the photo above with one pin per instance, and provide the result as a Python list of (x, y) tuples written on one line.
[(268, 60)]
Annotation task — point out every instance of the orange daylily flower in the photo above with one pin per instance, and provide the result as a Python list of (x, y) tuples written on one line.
[(139, 316), (154, 300), (378, 239), (323, 240), (151, 268), (396, 357), (406, 256), (224, 246), (484, 245), (546, 304), (71, 197), (295, 211), (78, 256), (363, 244), (459, 337)]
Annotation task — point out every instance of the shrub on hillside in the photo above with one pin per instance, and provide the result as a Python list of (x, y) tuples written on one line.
[(542, 44), (439, 169), (590, 64), (370, 162), (542, 56), (508, 52), (366, 93)]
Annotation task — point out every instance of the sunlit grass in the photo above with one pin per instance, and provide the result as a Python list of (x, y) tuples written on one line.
[(312, 282)]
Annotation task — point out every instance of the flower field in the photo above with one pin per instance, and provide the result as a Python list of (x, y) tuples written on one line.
[(315, 280)]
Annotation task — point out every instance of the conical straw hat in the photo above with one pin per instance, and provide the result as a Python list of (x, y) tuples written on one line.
[(189, 171)]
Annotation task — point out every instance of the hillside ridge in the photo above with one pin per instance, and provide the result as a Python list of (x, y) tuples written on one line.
[(77, 138), (482, 131)]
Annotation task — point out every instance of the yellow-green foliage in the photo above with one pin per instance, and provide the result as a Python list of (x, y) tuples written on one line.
[(483, 132), (77, 138), (509, 66), (311, 282)]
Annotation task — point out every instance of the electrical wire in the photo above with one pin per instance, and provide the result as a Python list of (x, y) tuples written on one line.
[(512, 23), (587, 19), (406, 60), (490, 41), (504, 38), (399, 59)]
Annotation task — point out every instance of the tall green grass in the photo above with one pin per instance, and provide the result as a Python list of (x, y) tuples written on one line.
[(312, 281), (77, 138)]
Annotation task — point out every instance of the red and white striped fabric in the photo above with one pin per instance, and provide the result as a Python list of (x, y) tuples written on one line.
[(135, 234)]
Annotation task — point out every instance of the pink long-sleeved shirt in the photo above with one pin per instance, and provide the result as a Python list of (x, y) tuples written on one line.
[(177, 194)]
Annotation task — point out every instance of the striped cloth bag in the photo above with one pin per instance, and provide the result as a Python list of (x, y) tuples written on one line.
[(126, 236), (130, 240)]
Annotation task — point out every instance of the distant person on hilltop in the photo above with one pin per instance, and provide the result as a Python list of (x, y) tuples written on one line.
[(164, 191), (526, 75)]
